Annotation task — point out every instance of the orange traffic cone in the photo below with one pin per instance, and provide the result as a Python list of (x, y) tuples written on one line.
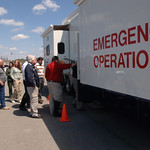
[(64, 116), (48, 98)]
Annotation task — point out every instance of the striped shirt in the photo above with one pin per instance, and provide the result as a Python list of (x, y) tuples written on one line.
[(40, 70)]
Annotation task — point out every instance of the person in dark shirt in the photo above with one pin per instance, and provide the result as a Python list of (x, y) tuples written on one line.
[(32, 83), (54, 77)]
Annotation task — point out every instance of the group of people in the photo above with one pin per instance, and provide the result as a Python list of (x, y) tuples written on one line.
[(33, 80)]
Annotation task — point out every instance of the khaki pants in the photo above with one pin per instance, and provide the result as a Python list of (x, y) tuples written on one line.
[(17, 84), (33, 94), (55, 91)]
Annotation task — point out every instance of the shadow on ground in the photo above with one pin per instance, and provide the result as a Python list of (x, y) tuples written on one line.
[(96, 129), (19, 112), (93, 129)]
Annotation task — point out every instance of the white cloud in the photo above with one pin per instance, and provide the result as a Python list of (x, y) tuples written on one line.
[(19, 37), (39, 9), (22, 52), (45, 4), (11, 22), (38, 30), (50, 4), (3, 11), (13, 48)]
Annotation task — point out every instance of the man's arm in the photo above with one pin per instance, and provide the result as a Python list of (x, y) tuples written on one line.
[(66, 66), (1, 83)]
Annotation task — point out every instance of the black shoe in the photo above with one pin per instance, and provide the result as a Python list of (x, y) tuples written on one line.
[(38, 116), (23, 109)]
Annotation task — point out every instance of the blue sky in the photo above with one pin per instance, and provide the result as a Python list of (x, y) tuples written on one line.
[(23, 21)]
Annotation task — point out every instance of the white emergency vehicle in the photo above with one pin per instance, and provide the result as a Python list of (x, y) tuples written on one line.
[(110, 39)]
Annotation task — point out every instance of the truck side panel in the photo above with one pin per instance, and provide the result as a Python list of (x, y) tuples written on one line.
[(114, 46)]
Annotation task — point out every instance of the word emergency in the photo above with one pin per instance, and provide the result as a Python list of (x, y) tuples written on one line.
[(128, 59)]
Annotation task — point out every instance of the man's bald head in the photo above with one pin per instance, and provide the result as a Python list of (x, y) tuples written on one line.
[(1, 62), (32, 59)]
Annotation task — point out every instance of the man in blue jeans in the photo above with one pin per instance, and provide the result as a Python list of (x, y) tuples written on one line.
[(3, 79)]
